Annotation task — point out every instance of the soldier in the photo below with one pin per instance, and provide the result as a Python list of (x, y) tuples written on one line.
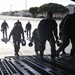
[(4, 27), (47, 31), (28, 29), (69, 32), (64, 38), (35, 40), (16, 32)]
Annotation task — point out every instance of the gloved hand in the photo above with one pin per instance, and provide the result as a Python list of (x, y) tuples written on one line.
[(58, 43)]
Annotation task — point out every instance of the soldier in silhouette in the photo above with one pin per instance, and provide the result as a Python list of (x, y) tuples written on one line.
[(28, 29), (35, 40), (69, 33), (17, 33), (64, 38), (47, 31), (4, 27)]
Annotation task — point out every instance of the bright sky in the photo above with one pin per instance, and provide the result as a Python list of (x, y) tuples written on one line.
[(12, 5)]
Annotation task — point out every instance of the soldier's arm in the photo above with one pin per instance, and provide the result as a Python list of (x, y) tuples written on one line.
[(56, 31), (7, 25), (10, 34), (2, 26), (23, 34)]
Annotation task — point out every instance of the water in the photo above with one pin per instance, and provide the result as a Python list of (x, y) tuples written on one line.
[(7, 49)]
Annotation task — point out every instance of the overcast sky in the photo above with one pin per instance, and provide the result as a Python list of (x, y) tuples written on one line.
[(12, 5)]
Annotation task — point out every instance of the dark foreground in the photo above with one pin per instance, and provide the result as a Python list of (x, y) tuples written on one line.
[(32, 65)]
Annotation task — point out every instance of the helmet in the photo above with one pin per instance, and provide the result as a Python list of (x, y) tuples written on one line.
[(23, 42), (30, 44)]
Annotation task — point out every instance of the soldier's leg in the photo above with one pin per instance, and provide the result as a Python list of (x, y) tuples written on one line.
[(6, 34), (15, 47), (62, 36), (3, 33), (42, 47), (63, 46), (29, 33), (53, 49), (18, 46), (72, 53), (36, 50)]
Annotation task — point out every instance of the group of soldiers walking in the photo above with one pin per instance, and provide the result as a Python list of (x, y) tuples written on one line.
[(46, 31), (17, 33)]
